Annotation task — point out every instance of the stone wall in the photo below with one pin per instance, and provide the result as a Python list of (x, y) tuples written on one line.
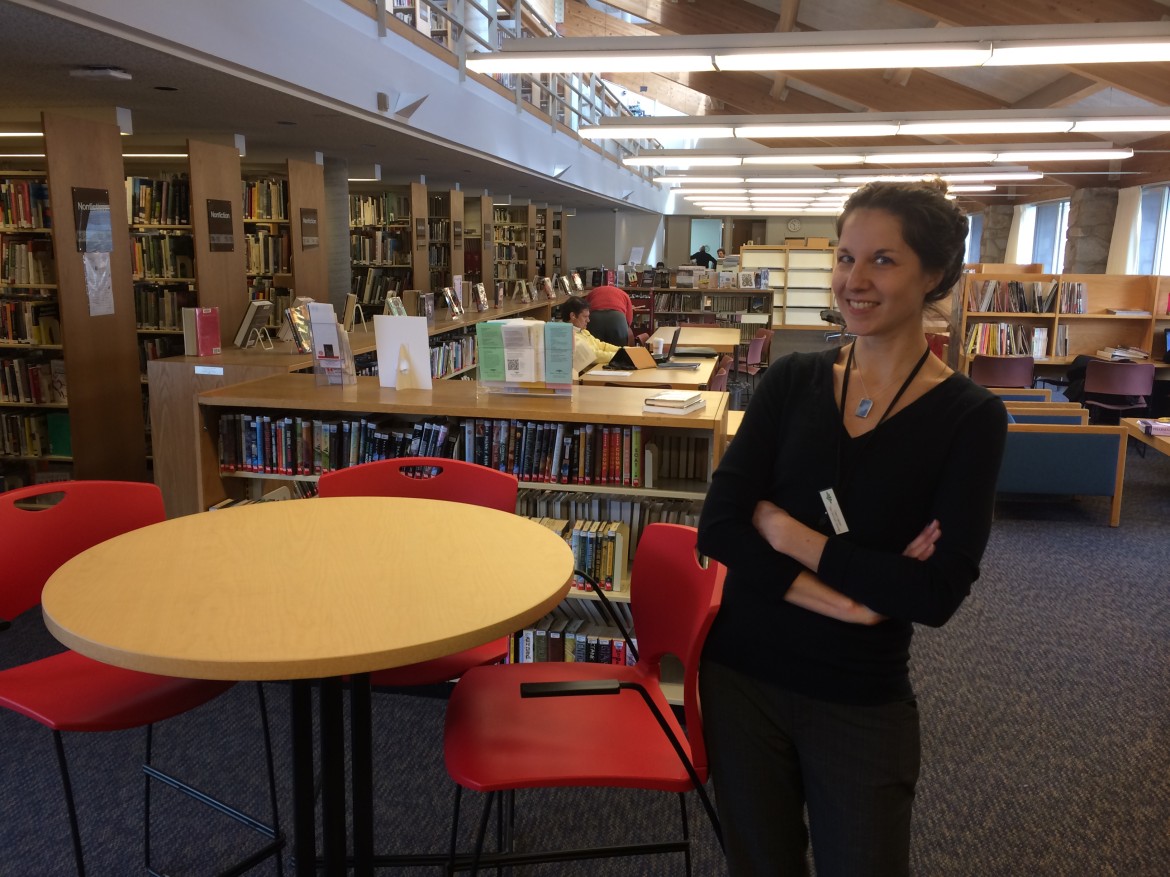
[(1090, 230), (997, 223)]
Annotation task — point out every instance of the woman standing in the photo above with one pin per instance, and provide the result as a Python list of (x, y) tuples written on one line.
[(854, 502)]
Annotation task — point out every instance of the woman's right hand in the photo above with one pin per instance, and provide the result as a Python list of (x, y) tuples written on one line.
[(922, 546)]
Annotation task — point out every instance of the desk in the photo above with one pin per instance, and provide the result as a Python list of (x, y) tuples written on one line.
[(678, 378), (1160, 443), (719, 339), (200, 597)]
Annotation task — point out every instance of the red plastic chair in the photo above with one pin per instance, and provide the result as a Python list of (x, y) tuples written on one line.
[(1118, 386), (718, 383), (1002, 371), (753, 363), (514, 726), (430, 478), (67, 691)]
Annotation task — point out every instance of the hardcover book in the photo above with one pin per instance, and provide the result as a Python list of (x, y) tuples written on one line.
[(201, 332)]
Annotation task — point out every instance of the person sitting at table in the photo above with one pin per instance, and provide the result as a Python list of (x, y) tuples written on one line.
[(576, 312)]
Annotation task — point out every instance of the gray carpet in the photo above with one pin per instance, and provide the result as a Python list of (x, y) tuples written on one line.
[(1044, 707)]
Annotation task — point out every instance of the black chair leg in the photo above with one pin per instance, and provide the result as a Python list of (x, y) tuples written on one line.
[(686, 827), (454, 830), (268, 761), (63, 765), (482, 832), (146, 799)]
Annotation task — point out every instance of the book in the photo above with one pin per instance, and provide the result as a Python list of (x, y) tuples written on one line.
[(673, 398), (1130, 353), (300, 327), (667, 409), (255, 318), (201, 332), (1155, 427), (1127, 312)]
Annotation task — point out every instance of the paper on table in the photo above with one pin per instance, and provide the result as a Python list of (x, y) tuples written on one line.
[(558, 353), (390, 335), (519, 352)]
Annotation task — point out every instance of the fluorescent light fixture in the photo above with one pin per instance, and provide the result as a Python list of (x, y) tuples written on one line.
[(1065, 155), (930, 157), (22, 155), (835, 129), (717, 191), (804, 158), (683, 160), (687, 179), (664, 131), (797, 181), (919, 124), (1122, 42), (154, 155), (22, 134)]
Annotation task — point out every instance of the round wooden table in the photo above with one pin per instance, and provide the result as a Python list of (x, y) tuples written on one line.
[(303, 590)]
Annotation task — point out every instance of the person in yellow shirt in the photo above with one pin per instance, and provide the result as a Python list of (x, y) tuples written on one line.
[(576, 312)]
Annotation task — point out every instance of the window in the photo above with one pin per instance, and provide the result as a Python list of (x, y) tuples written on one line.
[(1153, 254), (1050, 233), (974, 236)]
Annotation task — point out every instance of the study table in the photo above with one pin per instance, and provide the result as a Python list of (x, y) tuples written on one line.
[(1160, 443), (677, 378), (718, 338), (203, 597)]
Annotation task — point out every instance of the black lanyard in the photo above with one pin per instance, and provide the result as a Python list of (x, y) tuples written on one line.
[(905, 384)]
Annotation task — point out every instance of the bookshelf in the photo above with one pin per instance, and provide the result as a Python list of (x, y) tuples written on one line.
[(79, 414), (1000, 316), (540, 240), (800, 279), (284, 224), (558, 244), (477, 216), (381, 245), (511, 248), (689, 447)]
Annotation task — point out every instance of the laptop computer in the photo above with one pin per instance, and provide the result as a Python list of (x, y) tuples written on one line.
[(671, 350)]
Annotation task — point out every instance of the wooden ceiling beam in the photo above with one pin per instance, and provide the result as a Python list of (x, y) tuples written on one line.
[(1061, 92), (1149, 81), (785, 23)]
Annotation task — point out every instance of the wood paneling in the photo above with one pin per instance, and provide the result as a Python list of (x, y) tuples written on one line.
[(219, 276), (306, 190), (101, 352)]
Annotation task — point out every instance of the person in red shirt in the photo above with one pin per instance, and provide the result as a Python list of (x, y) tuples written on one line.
[(606, 302)]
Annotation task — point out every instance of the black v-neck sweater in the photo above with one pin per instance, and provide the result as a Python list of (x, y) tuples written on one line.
[(937, 458)]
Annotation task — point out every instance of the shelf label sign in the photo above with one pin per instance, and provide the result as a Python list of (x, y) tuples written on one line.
[(310, 236), (91, 216), (220, 235), (457, 233)]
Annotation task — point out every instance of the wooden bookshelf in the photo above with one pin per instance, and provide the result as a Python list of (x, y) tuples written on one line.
[(800, 279), (97, 350), (381, 244), (511, 243), (1009, 329)]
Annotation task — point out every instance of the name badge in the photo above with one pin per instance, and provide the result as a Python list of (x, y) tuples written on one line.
[(833, 509)]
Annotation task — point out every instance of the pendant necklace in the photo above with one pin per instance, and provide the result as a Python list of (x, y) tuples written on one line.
[(866, 404)]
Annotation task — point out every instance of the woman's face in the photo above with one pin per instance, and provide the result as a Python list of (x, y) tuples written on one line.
[(878, 281), (580, 320)]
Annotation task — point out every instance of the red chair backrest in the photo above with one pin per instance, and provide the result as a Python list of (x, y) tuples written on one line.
[(1002, 371), (755, 351), (425, 478), (719, 382), (1120, 378), (34, 542), (674, 601)]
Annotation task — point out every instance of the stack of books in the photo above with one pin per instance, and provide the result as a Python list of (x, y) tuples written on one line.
[(674, 402), (1128, 353)]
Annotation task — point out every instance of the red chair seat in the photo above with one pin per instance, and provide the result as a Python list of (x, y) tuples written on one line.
[(70, 692), (443, 669), (496, 740)]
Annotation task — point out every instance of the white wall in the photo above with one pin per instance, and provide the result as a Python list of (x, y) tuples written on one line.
[(605, 237)]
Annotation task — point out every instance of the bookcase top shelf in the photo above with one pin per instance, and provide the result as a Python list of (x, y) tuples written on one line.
[(602, 405)]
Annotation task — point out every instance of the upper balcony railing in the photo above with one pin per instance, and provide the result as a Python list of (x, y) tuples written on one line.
[(463, 27)]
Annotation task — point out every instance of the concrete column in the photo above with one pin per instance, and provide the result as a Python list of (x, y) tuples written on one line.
[(997, 223), (1090, 230)]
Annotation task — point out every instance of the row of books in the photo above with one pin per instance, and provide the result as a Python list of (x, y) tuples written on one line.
[(35, 435), (1006, 339), (295, 490), (161, 307), (600, 549), (26, 261), (502, 216), (380, 209), (636, 514), (266, 199), (570, 640), (293, 445), (30, 322), (452, 355), (162, 256), (373, 286), (438, 229), (157, 347), (268, 253), (24, 204), (33, 380), (1037, 296), (164, 201), (556, 453), (380, 247)]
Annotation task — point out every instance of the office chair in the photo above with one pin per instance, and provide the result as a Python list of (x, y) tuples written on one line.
[(1002, 371), (70, 692), (1118, 386), (538, 725)]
